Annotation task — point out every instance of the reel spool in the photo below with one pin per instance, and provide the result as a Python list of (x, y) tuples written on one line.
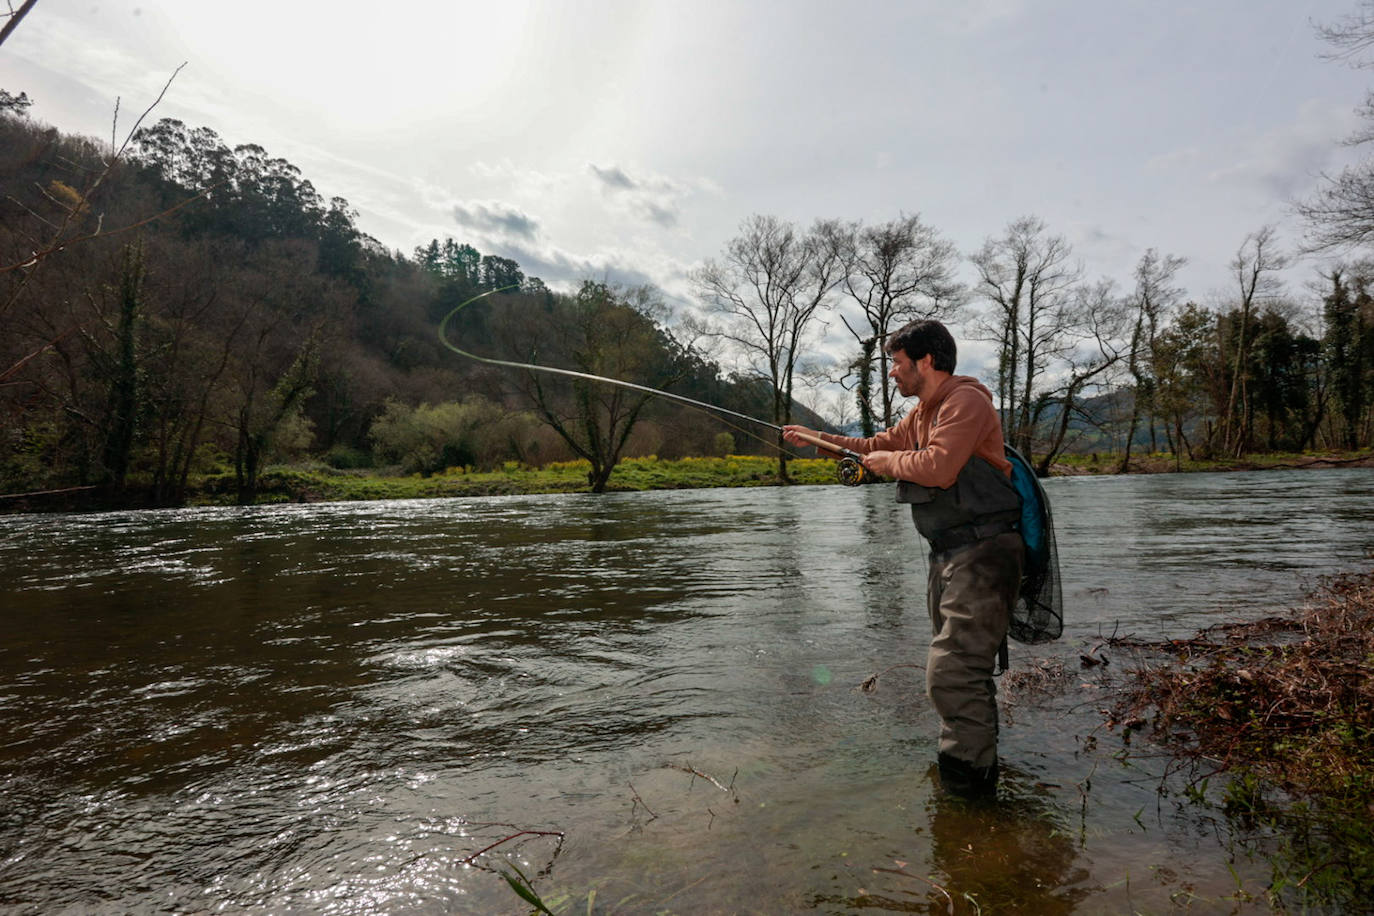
[(851, 472)]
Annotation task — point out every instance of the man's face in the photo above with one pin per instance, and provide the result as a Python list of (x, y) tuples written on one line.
[(908, 374)]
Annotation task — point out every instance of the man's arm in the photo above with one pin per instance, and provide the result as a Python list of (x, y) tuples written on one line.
[(961, 425)]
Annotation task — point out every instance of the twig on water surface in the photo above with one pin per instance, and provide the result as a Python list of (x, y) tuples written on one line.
[(513, 836), (906, 874), (870, 683), (711, 779), (640, 802)]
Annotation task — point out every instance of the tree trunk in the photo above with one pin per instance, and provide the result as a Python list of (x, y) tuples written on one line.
[(246, 459), (599, 476), (123, 411), (864, 390), (1125, 465)]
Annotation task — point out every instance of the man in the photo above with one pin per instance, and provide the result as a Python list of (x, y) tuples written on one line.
[(950, 465)]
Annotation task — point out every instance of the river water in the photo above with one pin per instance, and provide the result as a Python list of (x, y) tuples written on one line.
[(652, 699)]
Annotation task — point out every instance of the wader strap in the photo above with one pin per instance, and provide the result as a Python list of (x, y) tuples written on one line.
[(1003, 659)]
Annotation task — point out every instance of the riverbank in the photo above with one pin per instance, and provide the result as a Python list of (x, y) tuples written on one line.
[(320, 484), (1280, 712), (1165, 463), (317, 482)]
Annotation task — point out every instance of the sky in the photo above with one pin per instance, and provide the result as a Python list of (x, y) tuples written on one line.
[(628, 141)]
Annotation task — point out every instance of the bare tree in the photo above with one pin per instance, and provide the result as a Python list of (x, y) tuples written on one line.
[(1154, 296), (603, 330), (71, 213), (74, 218), (1340, 215), (1026, 276), (1094, 324), (13, 16), (281, 321), (1256, 266), (769, 290), (895, 272)]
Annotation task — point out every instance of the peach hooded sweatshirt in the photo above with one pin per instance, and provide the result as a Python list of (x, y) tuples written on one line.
[(936, 440)]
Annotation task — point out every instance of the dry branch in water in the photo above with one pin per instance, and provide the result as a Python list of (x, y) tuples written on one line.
[(870, 683), (471, 859), (700, 775)]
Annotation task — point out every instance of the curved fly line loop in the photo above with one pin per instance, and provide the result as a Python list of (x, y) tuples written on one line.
[(851, 470)]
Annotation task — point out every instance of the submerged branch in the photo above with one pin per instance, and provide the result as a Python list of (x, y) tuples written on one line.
[(711, 779), (468, 860)]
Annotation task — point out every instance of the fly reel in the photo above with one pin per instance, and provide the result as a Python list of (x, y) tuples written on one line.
[(851, 472)]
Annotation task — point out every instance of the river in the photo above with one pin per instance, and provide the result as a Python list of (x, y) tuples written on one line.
[(643, 702)]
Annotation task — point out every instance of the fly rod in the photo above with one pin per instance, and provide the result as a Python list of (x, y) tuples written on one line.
[(851, 469)]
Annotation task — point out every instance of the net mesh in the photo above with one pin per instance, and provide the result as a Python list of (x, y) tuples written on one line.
[(1039, 612)]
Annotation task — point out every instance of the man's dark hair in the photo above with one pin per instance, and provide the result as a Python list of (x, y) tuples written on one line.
[(920, 338)]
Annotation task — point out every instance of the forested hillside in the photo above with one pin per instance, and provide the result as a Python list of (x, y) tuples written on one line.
[(190, 306)]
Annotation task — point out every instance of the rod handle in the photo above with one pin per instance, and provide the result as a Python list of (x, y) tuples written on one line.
[(832, 449)]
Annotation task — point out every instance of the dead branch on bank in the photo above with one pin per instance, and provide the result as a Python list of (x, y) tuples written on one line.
[(1286, 697)]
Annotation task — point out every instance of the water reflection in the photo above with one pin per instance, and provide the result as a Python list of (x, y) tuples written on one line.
[(1012, 856), (327, 708)]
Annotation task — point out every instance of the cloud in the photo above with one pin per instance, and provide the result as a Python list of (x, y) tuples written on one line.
[(656, 200), (521, 181), (560, 268), (1286, 161), (495, 217), (614, 178)]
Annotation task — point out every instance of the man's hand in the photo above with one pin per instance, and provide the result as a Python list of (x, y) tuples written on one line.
[(789, 433), (880, 462)]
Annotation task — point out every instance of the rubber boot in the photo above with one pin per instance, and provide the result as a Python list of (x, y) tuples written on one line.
[(958, 777)]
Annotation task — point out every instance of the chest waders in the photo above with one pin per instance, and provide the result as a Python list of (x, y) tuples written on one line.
[(982, 503), (976, 560)]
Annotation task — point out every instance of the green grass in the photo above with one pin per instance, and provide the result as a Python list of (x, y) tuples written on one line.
[(316, 483)]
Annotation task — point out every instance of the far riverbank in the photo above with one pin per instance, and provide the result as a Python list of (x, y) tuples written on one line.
[(1164, 463), (314, 482)]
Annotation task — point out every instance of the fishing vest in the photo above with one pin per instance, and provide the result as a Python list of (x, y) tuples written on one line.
[(980, 504)]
